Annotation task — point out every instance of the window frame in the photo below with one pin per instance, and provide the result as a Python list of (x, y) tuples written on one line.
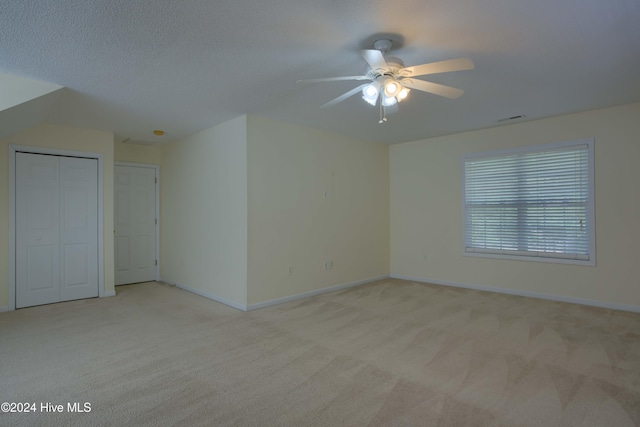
[(589, 142)]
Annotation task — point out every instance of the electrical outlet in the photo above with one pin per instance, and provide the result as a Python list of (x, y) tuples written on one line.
[(327, 265)]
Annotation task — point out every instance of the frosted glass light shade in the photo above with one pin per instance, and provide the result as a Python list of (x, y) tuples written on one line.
[(391, 87), (388, 101), (370, 93)]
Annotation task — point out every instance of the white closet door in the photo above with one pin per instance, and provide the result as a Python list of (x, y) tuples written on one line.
[(56, 229), (37, 229), (135, 224), (78, 228)]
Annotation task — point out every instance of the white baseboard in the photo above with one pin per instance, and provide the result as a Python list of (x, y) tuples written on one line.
[(276, 301), (105, 294), (225, 301), (312, 293), (602, 304)]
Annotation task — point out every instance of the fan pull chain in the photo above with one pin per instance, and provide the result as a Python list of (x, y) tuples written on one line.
[(383, 118)]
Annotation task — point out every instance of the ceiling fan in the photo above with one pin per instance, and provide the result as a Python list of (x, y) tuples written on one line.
[(389, 81)]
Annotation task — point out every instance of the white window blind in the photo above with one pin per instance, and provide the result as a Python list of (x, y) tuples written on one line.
[(533, 202)]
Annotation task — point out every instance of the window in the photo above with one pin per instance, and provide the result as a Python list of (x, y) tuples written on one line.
[(532, 203)]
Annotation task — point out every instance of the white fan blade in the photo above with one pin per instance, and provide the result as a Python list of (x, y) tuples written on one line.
[(390, 109), (333, 79), (374, 58), (438, 67), (438, 89), (344, 96)]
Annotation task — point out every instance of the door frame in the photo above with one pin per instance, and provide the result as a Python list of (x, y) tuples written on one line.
[(157, 209), (13, 149)]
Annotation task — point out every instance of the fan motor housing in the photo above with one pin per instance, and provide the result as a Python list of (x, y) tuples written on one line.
[(394, 65)]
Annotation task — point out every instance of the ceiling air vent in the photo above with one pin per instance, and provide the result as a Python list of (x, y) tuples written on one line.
[(506, 119)]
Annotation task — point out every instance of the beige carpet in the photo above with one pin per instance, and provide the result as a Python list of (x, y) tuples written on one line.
[(389, 353)]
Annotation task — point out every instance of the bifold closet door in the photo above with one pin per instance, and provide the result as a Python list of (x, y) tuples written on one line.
[(56, 229)]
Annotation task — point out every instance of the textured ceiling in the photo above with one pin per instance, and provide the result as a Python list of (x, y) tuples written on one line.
[(131, 66)]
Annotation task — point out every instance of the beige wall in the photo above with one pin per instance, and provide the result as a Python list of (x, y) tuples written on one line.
[(426, 209), (244, 201), (67, 138), (135, 153), (204, 212), (292, 224)]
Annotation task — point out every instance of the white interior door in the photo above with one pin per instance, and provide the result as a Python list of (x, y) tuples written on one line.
[(135, 224), (56, 229)]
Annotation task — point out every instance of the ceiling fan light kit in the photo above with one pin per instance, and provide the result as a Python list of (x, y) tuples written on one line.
[(390, 82)]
